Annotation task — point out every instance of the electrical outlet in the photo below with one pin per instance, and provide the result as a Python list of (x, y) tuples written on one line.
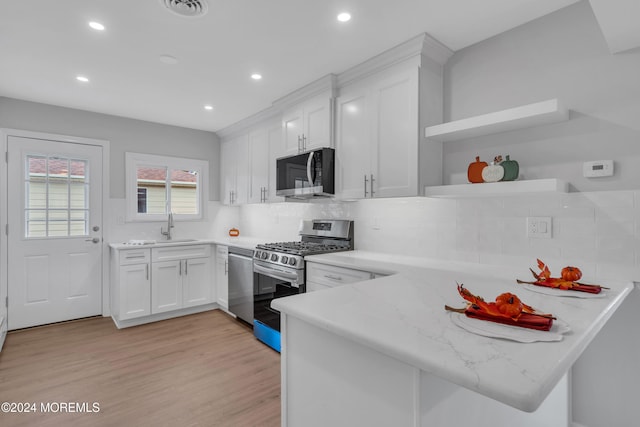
[(539, 227)]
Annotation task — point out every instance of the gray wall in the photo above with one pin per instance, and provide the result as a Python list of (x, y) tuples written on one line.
[(124, 135), (562, 55)]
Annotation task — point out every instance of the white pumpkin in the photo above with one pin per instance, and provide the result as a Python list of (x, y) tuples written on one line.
[(492, 173)]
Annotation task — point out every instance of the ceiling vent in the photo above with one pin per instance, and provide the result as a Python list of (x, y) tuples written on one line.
[(188, 8)]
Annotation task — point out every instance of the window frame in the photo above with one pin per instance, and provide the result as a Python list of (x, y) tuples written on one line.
[(135, 160)]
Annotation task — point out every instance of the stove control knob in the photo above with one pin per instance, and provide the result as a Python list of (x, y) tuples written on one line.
[(264, 255), (292, 261), (274, 257), (257, 254), (285, 259)]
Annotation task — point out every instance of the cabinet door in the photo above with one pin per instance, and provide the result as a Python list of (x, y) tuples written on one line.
[(242, 169), (222, 282), (166, 286), (196, 282), (353, 144), (135, 291), (258, 165), (227, 171), (292, 130), (234, 170), (396, 135), (317, 122)]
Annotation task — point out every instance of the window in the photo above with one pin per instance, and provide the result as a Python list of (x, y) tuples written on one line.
[(56, 197), (157, 185)]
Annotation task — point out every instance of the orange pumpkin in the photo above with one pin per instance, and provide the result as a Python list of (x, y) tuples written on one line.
[(474, 172), (571, 274), (509, 304)]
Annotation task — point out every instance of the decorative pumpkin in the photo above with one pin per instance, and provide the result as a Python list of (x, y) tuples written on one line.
[(474, 172), (234, 232), (493, 172), (509, 304), (511, 169), (571, 274)]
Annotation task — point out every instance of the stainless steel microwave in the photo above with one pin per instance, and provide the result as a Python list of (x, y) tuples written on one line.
[(306, 175)]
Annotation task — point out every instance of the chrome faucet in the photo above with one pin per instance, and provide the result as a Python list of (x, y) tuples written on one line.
[(169, 227)]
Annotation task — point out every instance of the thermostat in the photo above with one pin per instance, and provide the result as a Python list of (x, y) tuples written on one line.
[(597, 169)]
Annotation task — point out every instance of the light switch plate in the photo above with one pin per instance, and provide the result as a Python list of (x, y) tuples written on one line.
[(539, 227)]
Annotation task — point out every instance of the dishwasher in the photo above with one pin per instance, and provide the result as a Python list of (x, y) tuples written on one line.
[(241, 283)]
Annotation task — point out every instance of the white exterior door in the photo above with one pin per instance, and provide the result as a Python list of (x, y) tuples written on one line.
[(54, 217)]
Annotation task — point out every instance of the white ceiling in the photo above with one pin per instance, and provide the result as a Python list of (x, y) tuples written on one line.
[(44, 44)]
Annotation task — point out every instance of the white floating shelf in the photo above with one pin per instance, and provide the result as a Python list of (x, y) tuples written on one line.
[(539, 113), (503, 188)]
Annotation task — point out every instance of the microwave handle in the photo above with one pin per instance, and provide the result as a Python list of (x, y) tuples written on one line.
[(309, 170)]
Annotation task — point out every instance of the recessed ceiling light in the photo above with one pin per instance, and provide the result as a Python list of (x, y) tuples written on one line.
[(208, 107), (96, 26), (344, 17), (82, 79), (256, 76)]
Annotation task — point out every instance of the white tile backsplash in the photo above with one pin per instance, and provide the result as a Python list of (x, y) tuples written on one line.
[(598, 231)]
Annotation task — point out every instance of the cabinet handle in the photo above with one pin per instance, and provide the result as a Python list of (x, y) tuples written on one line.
[(304, 142), (372, 192), (180, 269), (332, 277), (226, 267), (365, 186), (146, 268), (299, 140), (186, 268)]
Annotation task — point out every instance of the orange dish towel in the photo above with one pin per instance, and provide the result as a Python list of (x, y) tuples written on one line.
[(526, 320)]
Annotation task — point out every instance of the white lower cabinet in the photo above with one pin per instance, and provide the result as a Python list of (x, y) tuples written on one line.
[(323, 276), (148, 281), (131, 291), (222, 279), (181, 277)]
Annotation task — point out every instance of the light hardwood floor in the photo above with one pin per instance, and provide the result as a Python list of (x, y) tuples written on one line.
[(200, 370)]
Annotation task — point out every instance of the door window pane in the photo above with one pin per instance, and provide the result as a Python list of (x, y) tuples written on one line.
[(53, 187)]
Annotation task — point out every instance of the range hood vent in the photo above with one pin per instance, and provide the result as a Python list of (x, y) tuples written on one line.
[(188, 8)]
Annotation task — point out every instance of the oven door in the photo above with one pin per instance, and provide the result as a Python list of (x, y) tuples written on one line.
[(271, 282)]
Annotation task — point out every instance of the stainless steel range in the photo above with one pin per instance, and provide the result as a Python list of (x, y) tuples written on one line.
[(278, 270)]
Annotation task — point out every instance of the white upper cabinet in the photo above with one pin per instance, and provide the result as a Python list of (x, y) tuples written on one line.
[(265, 144), (376, 121), (308, 125), (377, 137), (234, 170), (381, 109)]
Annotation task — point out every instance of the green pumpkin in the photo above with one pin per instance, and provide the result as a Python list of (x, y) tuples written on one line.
[(511, 169)]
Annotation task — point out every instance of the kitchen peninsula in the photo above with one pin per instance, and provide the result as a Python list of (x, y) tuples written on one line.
[(385, 352)]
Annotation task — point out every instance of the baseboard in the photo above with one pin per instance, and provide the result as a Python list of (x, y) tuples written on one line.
[(120, 324), (575, 424)]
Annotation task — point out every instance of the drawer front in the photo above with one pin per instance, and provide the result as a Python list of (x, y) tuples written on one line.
[(134, 256), (222, 251), (334, 276), (169, 253), (313, 287)]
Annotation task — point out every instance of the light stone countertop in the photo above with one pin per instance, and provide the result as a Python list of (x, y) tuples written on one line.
[(242, 242), (402, 315)]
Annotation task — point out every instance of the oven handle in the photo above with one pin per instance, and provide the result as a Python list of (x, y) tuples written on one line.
[(277, 274)]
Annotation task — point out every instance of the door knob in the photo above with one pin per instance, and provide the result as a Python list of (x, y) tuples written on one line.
[(94, 240)]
